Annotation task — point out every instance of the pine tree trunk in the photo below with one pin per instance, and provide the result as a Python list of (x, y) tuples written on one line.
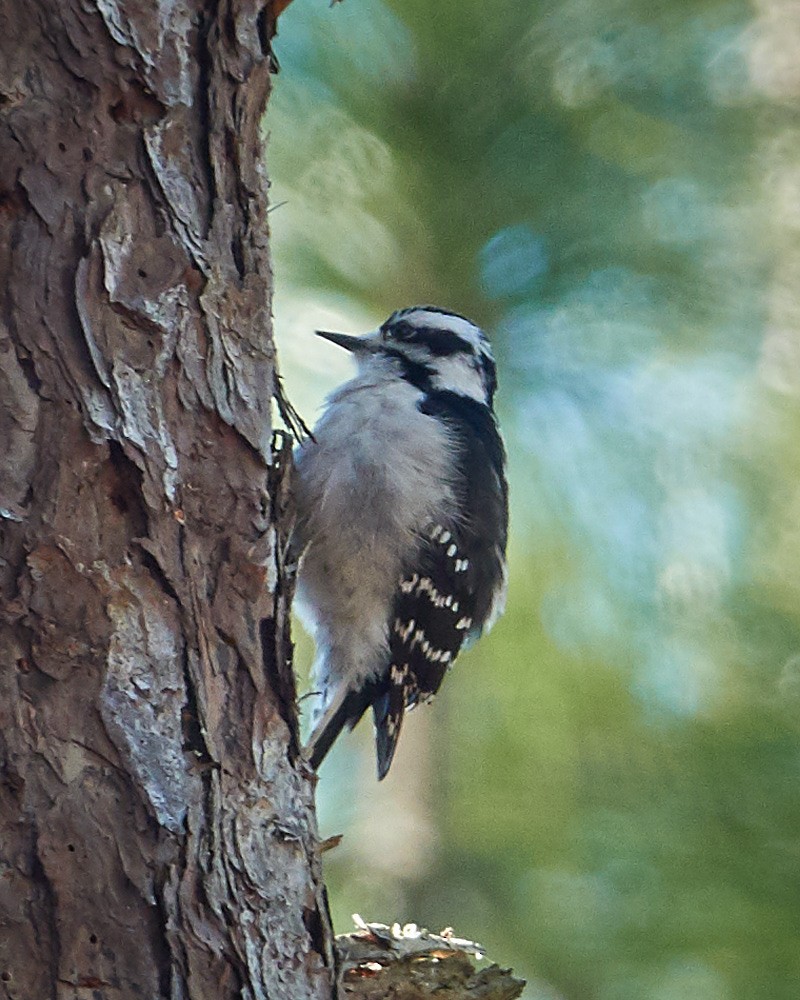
[(157, 836)]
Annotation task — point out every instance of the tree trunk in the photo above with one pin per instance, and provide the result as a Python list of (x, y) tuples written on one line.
[(157, 835)]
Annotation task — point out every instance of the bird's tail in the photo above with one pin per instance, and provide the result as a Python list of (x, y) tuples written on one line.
[(345, 709), (388, 710)]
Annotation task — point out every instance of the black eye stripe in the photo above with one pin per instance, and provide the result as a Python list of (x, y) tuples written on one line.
[(440, 343)]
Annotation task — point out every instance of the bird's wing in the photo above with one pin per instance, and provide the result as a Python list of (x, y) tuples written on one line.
[(458, 582)]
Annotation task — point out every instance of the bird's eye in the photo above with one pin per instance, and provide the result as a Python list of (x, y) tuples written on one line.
[(399, 331)]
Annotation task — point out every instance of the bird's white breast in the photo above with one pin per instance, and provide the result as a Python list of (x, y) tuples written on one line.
[(377, 475)]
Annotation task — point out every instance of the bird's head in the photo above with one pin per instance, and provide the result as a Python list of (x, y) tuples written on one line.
[(432, 348)]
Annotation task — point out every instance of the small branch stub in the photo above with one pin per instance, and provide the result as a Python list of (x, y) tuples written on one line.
[(410, 963)]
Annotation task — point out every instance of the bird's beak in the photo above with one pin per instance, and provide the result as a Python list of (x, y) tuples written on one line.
[(357, 345)]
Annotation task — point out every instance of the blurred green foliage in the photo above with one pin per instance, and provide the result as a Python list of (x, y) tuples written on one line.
[(606, 792)]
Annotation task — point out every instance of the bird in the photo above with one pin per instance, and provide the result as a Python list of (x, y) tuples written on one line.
[(401, 504)]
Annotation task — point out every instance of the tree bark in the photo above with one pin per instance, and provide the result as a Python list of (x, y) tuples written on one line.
[(157, 833)]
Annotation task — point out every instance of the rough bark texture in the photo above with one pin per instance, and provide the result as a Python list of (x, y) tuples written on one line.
[(156, 837)]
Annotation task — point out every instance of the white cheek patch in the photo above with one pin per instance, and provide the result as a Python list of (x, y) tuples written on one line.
[(458, 374)]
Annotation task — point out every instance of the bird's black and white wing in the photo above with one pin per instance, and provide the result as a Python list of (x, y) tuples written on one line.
[(457, 586)]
